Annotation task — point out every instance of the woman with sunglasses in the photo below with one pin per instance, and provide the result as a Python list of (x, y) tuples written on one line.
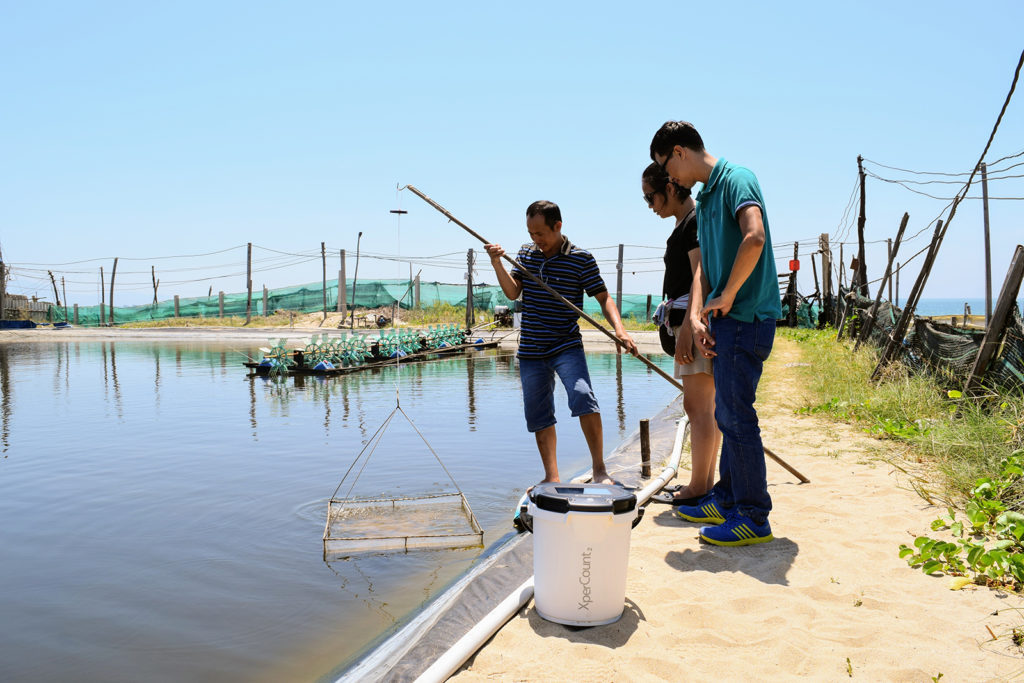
[(682, 254)]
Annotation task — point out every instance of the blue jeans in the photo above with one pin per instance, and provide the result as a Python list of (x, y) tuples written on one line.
[(538, 378), (742, 349)]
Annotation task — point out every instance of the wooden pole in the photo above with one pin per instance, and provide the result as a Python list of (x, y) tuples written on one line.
[(342, 293), (867, 325), (323, 286), (988, 245), (76, 314), (826, 277), (888, 255), (354, 278), (177, 309), (152, 270), (248, 287), (862, 270), (618, 280), (791, 289), (266, 301), (645, 448), (648, 317), (113, 274), (64, 293), (896, 335), (53, 281), (994, 332), (103, 299), (416, 291), (469, 289), (3, 289), (220, 304)]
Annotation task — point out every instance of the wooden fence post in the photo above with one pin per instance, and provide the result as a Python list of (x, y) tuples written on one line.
[(867, 325), (791, 295), (76, 314), (342, 293), (113, 273), (323, 285), (248, 288), (1000, 317), (266, 297), (862, 269), (220, 304), (177, 310), (469, 289), (898, 332), (618, 281), (645, 448), (3, 289), (103, 299), (826, 278)]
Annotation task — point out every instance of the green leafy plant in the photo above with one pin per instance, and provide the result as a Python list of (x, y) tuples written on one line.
[(988, 544)]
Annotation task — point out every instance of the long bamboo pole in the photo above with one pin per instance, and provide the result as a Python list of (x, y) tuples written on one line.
[(608, 333), (579, 312)]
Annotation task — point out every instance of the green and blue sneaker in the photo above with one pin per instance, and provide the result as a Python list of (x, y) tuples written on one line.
[(704, 511), (737, 530)]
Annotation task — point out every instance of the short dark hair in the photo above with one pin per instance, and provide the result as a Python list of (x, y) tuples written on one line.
[(655, 176), (674, 133), (552, 214)]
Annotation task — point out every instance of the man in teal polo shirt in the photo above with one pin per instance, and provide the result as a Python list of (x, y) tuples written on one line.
[(738, 283)]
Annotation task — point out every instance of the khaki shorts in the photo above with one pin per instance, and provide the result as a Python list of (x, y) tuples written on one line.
[(700, 363)]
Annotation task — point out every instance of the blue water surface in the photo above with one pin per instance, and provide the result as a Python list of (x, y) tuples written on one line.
[(161, 512)]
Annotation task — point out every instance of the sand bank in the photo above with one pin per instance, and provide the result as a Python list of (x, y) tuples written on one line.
[(829, 599)]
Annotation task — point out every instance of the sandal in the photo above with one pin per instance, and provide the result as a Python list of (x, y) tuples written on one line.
[(668, 498)]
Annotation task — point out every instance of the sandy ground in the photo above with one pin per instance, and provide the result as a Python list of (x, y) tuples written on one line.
[(829, 599)]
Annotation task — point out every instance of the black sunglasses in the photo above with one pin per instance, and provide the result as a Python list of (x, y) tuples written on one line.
[(649, 198)]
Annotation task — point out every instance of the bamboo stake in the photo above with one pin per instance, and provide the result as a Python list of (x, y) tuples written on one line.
[(865, 330), (579, 312)]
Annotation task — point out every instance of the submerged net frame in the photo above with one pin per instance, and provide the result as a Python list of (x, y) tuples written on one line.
[(355, 524)]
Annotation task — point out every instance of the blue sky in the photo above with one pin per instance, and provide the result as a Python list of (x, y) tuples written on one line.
[(147, 131)]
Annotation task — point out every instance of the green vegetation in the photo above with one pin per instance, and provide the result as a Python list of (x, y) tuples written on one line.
[(963, 439), (987, 543)]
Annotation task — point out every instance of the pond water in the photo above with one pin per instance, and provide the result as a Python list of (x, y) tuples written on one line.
[(161, 512)]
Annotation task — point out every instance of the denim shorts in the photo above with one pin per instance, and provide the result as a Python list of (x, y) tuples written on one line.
[(538, 378)]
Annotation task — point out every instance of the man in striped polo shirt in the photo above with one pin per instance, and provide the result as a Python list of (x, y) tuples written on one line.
[(549, 339)]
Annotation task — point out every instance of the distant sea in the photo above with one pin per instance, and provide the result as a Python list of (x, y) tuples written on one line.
[(953, 306)]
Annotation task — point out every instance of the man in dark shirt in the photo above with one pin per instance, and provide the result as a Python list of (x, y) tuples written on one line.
[(550, 342)]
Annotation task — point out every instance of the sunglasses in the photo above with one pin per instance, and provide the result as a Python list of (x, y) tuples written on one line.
[(649, 198)]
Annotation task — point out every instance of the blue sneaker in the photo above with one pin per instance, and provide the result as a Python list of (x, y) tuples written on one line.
[(704, 511), (737, 530)]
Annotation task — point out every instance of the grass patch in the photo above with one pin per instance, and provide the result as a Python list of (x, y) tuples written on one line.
[(964, 439)]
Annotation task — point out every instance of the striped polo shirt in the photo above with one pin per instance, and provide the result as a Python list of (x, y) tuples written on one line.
[(548, 325)]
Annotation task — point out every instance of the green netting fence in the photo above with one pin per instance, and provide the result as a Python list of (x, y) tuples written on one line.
[(945, 349), (309, 298)]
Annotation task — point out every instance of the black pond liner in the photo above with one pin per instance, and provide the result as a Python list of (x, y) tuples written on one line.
[(405, 652)]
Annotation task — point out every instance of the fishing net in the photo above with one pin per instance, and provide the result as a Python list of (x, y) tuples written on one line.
[(360, 523)]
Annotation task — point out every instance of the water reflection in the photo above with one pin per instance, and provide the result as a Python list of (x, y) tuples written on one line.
[(6, 401), (184, 477)]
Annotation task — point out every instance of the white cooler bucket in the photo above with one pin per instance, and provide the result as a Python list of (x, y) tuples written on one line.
[(581, 551)]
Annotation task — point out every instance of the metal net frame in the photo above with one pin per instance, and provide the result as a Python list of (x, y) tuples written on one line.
[(353, 524)]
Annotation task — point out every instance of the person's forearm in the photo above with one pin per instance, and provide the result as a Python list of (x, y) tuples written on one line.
[(697, 292), (611, 313), (509, 285), (746, 260)]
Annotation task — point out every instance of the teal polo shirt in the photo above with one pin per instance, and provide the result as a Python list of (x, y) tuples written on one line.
[(729, 189)]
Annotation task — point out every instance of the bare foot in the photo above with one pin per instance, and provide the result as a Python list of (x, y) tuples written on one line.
[(602, 477)]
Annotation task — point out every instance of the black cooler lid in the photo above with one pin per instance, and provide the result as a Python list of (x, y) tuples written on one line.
[(565, 497)]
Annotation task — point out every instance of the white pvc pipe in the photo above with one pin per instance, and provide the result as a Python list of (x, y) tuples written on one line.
[(473, 640), (463, 649)]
